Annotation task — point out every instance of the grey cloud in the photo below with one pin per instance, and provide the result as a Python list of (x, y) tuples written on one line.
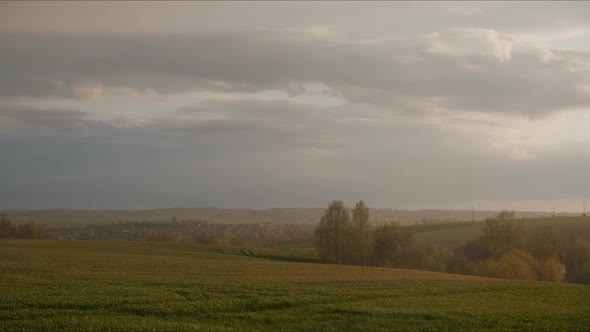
[(396, 168), (287, 121), (374, 74), (393, 70), (66, 120), (374, 18)]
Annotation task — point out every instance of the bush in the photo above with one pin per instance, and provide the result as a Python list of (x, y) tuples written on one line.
[(551, 270), (545, 243), (502, 234), (390, 241), (29, 230), (516, 264), (426, 256), (576, 256), (7, 227), (474, 251)]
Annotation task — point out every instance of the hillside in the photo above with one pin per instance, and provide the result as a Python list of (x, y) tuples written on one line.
[(100, 285), (242, 216), (452, 235)]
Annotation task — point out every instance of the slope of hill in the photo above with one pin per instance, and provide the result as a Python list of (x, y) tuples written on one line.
[(240, 216), (454, 234), (95, 285)]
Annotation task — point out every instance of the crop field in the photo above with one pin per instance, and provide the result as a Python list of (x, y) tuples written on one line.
[(94, 285), (63, 217), (454, 234)]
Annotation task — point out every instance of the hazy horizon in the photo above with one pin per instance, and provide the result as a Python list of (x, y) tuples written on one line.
[(483, 208), (406, 105)]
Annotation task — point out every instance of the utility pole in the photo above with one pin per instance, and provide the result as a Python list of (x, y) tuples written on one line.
[(584, 211), (472, 214)]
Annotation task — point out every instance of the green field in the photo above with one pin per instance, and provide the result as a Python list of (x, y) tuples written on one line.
[(63, 217), (94, 285), (454, 234)]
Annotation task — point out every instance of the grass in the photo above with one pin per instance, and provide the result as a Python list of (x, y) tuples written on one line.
[(94, 285), (454, 234), (64, 217)]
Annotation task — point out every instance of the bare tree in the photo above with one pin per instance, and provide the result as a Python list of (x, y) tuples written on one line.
[(7, 227), (332, 232), (361, 239)]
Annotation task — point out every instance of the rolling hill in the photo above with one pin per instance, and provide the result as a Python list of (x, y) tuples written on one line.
[(242, 216), (102, 285)]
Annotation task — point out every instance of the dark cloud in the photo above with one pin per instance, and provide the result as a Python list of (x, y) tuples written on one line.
[(402, 107), (389, 74), (66, 120)]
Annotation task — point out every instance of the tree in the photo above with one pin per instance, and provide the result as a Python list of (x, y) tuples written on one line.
[(506, 215), (576, 255), (468, 257), (545, 243), (501, 234), (29, 230), (474, 250), (515, 264), (7, 227), (361, 236), (332, 232), (551, 269), (389, 242), (426, 256)]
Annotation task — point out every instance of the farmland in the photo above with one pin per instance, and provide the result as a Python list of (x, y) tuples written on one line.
[(105, 285), (453, 234), (63, 217)]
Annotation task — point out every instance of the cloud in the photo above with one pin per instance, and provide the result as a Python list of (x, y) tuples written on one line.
[(462, 9), (64, 120), (471, 69), (88, 91), (467, 42), (276, 104)]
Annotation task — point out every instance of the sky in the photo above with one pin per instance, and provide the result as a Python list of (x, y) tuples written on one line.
[(409, 105)]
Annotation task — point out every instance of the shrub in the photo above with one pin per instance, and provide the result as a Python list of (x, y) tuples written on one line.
[(389, 241), (29, 230), (516, 264), (576, 256), (426, 256), (545, 243), (502, 234), (475, 251), (551, 270), (7, 227)]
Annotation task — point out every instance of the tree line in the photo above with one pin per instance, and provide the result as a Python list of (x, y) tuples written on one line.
[(348, 237), (505, 249), (28, 230)]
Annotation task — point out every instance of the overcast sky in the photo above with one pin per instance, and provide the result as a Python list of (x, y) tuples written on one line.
[(273, 104)]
